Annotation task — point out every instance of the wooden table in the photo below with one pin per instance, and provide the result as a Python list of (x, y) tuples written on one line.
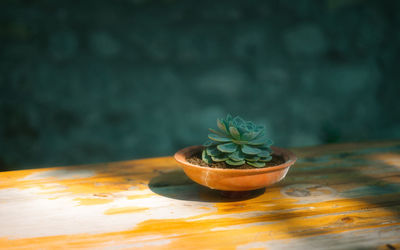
[(344, 196)]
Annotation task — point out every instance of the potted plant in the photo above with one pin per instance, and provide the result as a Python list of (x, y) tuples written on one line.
[(238, 157)]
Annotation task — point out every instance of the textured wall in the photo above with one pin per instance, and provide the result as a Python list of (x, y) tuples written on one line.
[(89, 81)]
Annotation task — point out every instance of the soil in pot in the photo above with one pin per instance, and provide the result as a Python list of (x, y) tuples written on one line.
[(196, 159)]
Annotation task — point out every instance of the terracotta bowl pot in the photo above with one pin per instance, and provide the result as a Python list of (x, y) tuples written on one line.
[(235, 179)]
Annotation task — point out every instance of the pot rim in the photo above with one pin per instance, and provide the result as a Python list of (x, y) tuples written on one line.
[(182, 154)]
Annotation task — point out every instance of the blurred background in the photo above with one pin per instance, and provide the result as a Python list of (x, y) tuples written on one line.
[(92, 81)]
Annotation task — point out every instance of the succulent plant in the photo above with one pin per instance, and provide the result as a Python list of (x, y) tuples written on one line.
[(237, 142)]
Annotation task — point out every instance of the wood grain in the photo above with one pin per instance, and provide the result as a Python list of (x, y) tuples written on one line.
[(339, 196)]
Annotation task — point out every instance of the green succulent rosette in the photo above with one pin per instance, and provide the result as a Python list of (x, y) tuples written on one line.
[(237, 142)]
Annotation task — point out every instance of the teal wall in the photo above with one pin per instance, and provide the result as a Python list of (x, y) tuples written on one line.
[(92, 81)]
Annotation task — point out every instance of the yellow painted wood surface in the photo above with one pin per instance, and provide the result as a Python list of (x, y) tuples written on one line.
[(343, 196)]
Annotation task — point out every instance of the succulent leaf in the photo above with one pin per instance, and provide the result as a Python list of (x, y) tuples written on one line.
[(221, 125), (257, 164), (263, 154), (236, 156), (238, 121), (246, 136), (218, 138), (252, 158), (268, 143), (259, 141), (219, 158), (235, 163), (212, 151), (227, 147), (234, 132), (209, 143), (258, 133), (250, 126), (268, 149), (250, 150), (265, 159), (220, 133), (206, 158)]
